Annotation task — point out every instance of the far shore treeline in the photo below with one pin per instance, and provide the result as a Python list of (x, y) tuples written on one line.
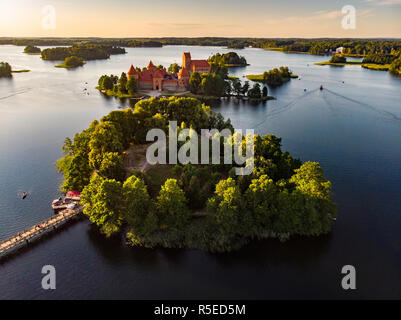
[(206, 207), (314, 46), (379, 54)]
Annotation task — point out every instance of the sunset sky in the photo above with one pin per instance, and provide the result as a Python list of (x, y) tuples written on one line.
[(188, 18)]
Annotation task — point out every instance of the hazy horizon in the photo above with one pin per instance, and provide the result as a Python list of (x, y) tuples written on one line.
[(177, 18)]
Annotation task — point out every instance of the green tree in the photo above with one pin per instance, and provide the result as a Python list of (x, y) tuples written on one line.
[(316, 191), (264, 91), (255, 92), (195, 82), (103, 204), (122, 83), (338, 59), (172, 205), (5, 70), (106, 83), (174, 68), (105, 138), (73, 62), (138, 204), (132, 86), (226, 206), (112, 166), (237, 87)]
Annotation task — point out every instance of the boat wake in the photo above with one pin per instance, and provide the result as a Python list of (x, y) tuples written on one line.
[(284, 108), (387, 114), (15, 93)]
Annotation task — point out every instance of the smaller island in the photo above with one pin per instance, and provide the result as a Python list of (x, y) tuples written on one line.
[(71, 62), (32, 50), (86, 52), (6, 70), (230, 59), (374, 61), (275, 77), (338, 61), (120, 87)]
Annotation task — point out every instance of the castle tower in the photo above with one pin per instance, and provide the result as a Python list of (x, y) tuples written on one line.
[(186, 60), (183, 78), (132, 73)]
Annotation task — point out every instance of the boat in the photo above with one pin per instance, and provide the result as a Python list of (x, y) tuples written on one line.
[(24, 195), (61, 203), (321, 87), (74, 195)]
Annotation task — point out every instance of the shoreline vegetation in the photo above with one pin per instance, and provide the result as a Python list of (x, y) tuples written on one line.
[(229, 59), (274, 77), (84, 52), (7, 72), (379, 62), (318, 46), (20, 71), (32, 50), (71, 62), (205, 207)]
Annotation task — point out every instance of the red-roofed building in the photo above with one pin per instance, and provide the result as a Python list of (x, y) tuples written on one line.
[(159, 79)]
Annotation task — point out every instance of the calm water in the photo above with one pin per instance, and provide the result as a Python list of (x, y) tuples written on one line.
[(353, 129)]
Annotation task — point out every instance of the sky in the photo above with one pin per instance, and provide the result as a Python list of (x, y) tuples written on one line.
[(190, 18)]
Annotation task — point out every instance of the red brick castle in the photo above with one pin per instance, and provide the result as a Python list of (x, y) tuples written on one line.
[(159, 79)]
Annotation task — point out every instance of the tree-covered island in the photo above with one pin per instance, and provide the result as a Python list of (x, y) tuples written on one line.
[(206, 207), (71, 62), (229, 59), (374, 61), (77, 55), (6, 71), (32, 50), (274, 77)]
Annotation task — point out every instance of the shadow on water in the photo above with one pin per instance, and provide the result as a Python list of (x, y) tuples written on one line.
[(299, 251)]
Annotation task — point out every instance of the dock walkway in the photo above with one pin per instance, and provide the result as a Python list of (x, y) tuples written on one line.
[(38, 229)]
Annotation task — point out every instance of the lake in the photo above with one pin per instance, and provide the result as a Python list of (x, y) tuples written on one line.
[(352, 128)]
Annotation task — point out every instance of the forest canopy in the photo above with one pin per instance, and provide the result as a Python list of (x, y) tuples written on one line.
[(207, 207)]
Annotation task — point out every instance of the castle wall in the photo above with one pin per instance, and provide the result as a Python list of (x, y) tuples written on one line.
[(170, 85)]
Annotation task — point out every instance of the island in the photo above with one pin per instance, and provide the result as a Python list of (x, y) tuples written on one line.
[(6, 70), (206, 207), (338, 60), (85, 52), (196, 78), (374, 61), (275, 77), (32, 50), (71, 62), (229, 59)]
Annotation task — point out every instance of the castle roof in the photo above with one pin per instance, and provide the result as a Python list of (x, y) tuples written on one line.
[(151, 65), (131, 71), (200, 63), (187, 56)]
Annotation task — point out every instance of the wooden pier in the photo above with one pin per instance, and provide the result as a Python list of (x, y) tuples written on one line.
[(37, 230)]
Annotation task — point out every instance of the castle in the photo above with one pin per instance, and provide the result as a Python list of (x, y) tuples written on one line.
[(152, 78)]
